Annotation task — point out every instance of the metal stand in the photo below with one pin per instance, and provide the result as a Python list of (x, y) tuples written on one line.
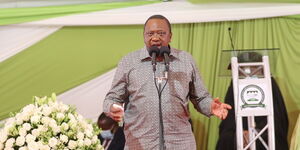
[(253, 97), (159, 80)]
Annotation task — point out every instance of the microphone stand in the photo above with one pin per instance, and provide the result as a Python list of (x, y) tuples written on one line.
[(159, 91)]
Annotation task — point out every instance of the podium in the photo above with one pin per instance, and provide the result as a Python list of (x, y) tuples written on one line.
[(251, 77)]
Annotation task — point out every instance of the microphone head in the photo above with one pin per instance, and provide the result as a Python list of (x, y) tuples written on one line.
[(164, 50), (153, 49), (229, 28)]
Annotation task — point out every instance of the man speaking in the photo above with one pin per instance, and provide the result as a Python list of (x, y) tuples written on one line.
[(156, 83)]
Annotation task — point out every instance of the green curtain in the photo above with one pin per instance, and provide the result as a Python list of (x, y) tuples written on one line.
[(205, 42), (20, 15), (74, 55), (65, 59), (244, 1)]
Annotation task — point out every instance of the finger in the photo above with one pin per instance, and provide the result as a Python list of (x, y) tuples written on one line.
[(225, 114), (115, 115), (228, 106), (219, 115), (118, 119), (217, 101), (116, 108)]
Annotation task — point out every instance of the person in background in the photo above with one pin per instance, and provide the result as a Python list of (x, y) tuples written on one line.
[(111, 136)]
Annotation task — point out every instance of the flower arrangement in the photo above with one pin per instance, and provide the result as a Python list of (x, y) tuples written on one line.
[(47, 124)]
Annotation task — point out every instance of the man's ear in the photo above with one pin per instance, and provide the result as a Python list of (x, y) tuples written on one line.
[(171, 37)]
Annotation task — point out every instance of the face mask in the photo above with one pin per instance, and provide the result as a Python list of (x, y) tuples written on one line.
[(106, 134)]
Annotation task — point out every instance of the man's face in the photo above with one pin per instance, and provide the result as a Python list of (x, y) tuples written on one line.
[(157, 33)]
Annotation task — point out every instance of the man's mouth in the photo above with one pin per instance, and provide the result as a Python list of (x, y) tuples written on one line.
[(158, 45)]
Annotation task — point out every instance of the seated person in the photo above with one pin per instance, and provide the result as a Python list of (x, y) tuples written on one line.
[(112, 136), (227, 128)]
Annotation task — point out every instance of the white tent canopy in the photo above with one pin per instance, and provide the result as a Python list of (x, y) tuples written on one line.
[(177, 12)]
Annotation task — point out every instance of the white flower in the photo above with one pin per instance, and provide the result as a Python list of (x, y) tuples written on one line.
[(94, 139), (30, 138), (33, 145), (19, 119), (35, 119), (35, 132), (45, 120), (51, 120), (72, 144), (23, 148), (63, 107), (42, 128), (80, 118), (73, 124), (87, 142), (1, 145), (80, 135), (28, 108), (8, 126), (52, 123), (46, 110), (89, 133), (60, 116), (63, 138), (44, 147), (10, 142), (56, 129), (27, 126), (71, 116), (20, 141), (3, 136), (22, 131), (52, 142), (64, 126), (80, 143)]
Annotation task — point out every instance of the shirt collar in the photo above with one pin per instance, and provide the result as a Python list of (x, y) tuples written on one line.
[(144, 54)]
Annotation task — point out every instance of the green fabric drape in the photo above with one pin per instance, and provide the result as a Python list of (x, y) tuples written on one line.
[(74, 55), (20, 15), (65, 59), (205, 42), (245, 1)]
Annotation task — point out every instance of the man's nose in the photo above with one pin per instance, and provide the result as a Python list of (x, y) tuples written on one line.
[(155, 37)]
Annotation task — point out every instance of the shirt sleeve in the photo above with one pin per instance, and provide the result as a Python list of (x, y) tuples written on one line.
[(118, 92), (198, 94)]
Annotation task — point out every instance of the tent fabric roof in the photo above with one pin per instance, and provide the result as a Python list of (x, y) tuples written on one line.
[(177, 12)]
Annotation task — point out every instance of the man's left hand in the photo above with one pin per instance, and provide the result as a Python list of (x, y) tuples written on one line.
[(219, 109)]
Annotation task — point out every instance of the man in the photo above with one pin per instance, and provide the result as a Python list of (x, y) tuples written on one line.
[(134, 85), (111, 136)]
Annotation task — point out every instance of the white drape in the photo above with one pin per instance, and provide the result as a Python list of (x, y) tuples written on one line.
[(15, 38), (88, 97), (177, 11)]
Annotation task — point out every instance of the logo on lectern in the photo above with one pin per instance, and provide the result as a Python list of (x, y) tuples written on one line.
[(252, 96)]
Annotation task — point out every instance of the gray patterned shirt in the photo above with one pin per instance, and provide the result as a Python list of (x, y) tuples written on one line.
[(134, 84)]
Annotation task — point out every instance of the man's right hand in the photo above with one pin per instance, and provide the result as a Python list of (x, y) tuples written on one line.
[(116, 112)]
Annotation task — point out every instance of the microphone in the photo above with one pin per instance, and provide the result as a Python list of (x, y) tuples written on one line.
[(165, 51), (153, 52)]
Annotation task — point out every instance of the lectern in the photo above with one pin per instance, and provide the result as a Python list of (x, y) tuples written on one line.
[(250, 71)]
